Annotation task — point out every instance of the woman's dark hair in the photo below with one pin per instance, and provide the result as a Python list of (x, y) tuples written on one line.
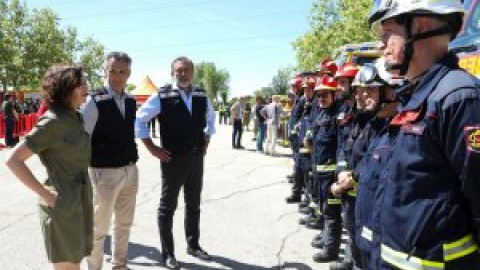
[(59, 82)]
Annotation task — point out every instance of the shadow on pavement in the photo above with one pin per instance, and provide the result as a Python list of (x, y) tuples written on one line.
[(232, 264), (151, 255)]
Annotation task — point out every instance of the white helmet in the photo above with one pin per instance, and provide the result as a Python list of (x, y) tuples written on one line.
[(386, 9), (375, 75)]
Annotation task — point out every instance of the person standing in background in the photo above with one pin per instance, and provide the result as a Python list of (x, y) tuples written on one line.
[(247, 112), (262, 128), (272, 113), (237, 117), (9, 114)]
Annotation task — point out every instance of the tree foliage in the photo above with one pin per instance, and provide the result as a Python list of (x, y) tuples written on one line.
[(333, 23), (279, 84), (214, 82), (32, 40)]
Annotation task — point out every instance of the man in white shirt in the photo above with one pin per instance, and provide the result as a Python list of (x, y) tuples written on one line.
[(272, 112)]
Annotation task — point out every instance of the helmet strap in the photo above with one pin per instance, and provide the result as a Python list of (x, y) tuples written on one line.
[(408, 48)]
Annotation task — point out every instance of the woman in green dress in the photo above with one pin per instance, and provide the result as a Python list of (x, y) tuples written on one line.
[(63, 146)]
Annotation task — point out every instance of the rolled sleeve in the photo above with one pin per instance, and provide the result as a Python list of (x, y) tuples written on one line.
[(150, 109), (210, 129), (89, 112)]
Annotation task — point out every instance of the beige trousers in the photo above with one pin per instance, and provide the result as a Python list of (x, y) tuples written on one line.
[(271, 142), (114, 194)]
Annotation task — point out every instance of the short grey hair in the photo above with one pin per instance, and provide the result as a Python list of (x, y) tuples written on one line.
[(119, 56), (182, 59)]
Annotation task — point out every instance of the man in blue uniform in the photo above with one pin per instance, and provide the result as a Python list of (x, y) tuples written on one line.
[(323, 140), (297, 134), (430, 216), (374, 100)]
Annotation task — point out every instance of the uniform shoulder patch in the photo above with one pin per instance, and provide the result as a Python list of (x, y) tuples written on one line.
[(472, 137)]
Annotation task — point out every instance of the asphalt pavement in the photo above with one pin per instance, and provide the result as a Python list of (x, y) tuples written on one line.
[(245, 222)]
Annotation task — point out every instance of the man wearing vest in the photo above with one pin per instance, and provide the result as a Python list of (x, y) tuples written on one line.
[(187, 120), (109, 118)]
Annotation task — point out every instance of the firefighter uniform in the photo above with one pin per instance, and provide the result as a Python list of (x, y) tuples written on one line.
[(369, 198), (324, 137), (430, 216), (297, 112), (304, 157)]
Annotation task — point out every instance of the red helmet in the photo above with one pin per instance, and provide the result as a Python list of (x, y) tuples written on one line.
[(327, 66), (296, 82), (348, 70), (309, 82), (326, 83)]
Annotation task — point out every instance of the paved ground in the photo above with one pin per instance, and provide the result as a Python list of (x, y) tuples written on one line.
[(245, 221)]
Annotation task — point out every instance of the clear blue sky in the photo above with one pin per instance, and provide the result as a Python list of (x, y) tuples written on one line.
[(251, 39)]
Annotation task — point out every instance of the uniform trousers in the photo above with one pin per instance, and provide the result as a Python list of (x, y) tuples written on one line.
[(332, 210), (182, 170), (352, 253), (114, 193)]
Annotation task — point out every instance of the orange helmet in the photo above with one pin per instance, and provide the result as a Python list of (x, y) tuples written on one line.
[(348, 70), (327, 66), (326, 83), (308, 82)]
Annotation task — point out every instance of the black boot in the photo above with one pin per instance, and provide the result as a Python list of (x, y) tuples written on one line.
[(305, 220), (304, 203), (317, 243), (325, 255), (316, 224), (305, 210), (294, 198)]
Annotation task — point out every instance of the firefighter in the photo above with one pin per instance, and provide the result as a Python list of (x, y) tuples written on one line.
[(430, 214), (321, 139), (295, 114), (301, 155), (325, 145), (373, 102), (345, 116)]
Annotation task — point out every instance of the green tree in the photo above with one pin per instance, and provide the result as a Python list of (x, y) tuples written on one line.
[(12, 18), (130, 87), (214, 82), (44, 43), (333, 23), (280, 81), (91, 55), (32, 41), (278, 85), (264, 91)]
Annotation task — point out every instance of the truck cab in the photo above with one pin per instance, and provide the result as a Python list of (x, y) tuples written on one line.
[(360, 54), (467, 43)]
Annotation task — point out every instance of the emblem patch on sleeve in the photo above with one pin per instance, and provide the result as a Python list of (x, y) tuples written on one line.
[(472, 138)]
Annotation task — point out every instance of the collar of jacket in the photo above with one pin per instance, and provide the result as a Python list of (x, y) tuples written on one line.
[(430, 81)]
